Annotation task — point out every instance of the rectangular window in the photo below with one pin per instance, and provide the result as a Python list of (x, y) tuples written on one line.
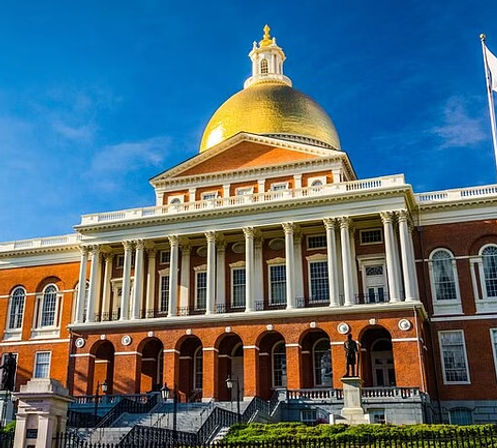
[(119, 261), (209, 195), (42, 365), (308, 416), (165, 257), (373, 236), (164, 292), (242, 191), (453, 353), (316, 242), (238, 287), (493, 337), (320, 291), (278, 186), (277, 280), (201, 290)]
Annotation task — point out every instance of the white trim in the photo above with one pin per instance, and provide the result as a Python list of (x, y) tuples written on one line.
[(273, 186), (293, 344), (162, 274), (171, 350), (374, 260), (160, 257), (207, 193), (172, 198), (361, 231), (237, 266), (247, 188), (316, 258), (272, 364), (127, 353), (81, 355), (38, 341), (199, 271), (208, 349), (270, 264), (49, 362), (406, 340), (462, 317), (313, 360), (19, 329), (442, 361), (314, 235), (250, 347), (322, 179), (494, 351), (485, 299)]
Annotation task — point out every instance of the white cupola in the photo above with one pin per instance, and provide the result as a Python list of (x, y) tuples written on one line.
[(267, 61)]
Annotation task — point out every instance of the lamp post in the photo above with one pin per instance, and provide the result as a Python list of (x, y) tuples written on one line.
[(166, 393), (104, 386), (229, 385)]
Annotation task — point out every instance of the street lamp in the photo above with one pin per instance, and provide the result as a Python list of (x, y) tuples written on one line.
[(229, 385), (166, 393), (104, 387)]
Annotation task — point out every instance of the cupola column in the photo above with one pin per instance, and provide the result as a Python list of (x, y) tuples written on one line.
[(126, 286), (138, 284), (211, 272), (80, 299), (333, 286), (288, 228), (172, 307), (348, 276), (390, 246), (249, 269), (94, 277)]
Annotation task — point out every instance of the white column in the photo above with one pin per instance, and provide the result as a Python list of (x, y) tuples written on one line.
[(288, 228), (329, 223), (226, 191), (106, 293), (138, 286), (410, 227), (172, 307), (184, 290), (258, 273), (387, 219), (261, 186), (408, 262), (297, 179), (191, 195), (397, 264), (80, 299), (128, 247), (355, 279), (249, 269), (348, 278), (211, 272), (92, 291), (221, 275), (150, 298), (299, 274)]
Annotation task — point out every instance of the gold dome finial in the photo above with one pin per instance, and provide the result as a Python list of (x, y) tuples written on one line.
[(266, 39)]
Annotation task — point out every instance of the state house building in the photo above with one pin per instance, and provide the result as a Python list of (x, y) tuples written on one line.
[(260, 255)]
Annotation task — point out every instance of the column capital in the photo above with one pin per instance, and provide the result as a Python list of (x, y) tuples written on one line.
[(345, 222), (387, 217), (210, 235), (248, 232), (288, 227), (84, 250), (173, 240), (94, 249), (330, 223), (403, 216), (128, 244), (139, 244), (108, 256), (221, 244), (151, 251)]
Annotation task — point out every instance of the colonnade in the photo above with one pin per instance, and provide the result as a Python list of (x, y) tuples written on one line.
[(341, 261)]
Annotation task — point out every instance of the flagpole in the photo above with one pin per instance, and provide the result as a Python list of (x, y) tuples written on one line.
[(491, 105)]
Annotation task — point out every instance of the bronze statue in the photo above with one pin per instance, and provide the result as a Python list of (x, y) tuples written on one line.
[(9, 372), (351, 352)]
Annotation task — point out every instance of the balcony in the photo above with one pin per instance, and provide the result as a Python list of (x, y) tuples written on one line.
[(370, 395), (72, 239), (458, 194), (246, 200)]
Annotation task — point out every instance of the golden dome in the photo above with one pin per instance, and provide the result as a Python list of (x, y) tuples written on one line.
[(271, 108)]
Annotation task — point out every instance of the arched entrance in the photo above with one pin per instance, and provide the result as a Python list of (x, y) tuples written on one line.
[(103, 366), (316, 359), (151, 373), (230, 364), (190, 368), (272, 363), (377, 365)]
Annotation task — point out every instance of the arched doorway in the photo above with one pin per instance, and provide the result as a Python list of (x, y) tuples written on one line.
[(316, 359), (272, 363), (103, 366), (190, 369), (377, 365), (230, 364), (151, 372)]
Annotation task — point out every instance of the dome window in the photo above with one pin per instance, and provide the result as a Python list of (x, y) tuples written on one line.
[(264, 66)]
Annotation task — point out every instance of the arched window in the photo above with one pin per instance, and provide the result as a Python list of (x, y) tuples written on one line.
[(317, 183), (264, 66), (279, 365), (322, 363), (16, 308), (197, 369), (489, 260), (49, 306), (444, 275)]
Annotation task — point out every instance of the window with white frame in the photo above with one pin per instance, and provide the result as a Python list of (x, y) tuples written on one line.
[(493, 337), (453, 354), (279, 365), (174, 200), (277, 284), (16, 309), (243, 191), (209, 195), (49, 306), (264, 66), (444, 275), (238, 287), (371, 236), (164, 292), (318, 278), (322, 363), (164, 257), (120, 261), (279, 186), (42, 364), (316, 242), (489, 261), (200, 289), (316, 182), (197, 371)]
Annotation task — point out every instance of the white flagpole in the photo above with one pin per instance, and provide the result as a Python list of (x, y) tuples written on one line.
[(491, 105)]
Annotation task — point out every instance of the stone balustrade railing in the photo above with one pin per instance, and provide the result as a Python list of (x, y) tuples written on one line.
[(368, 393), (249, 199), (456, 194), (40, 243)]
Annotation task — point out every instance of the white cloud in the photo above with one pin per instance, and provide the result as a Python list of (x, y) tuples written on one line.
[(82, 134)]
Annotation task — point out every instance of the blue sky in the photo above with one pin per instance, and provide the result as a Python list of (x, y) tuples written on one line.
[(98, 96)]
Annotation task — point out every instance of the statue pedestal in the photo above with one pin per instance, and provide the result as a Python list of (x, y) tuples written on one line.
[(352, 410), (6, 407), (41, 413)]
